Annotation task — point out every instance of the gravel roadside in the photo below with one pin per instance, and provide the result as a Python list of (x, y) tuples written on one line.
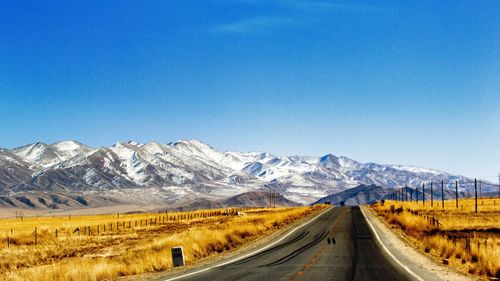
[(407, 253)]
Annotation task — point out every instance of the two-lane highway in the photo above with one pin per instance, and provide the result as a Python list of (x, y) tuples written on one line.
[(336, 246)]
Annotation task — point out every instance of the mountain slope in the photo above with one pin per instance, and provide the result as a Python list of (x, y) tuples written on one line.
[(13, 170), (189, 169)]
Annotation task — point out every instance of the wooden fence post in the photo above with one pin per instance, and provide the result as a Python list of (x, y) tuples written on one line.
[(36, 236), (456, 193)]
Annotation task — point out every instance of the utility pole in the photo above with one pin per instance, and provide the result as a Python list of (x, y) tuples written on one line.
[(274, 205), (270, 198), (475, 191), (480, 189), (423, 194), (432, 196), (442, 194), (498, 184)]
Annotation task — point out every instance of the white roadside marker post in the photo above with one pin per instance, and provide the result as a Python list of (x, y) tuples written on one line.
[(177, 256)]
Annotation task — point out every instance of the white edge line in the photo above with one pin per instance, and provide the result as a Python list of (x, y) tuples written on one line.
[(249, 254), (387, 250)]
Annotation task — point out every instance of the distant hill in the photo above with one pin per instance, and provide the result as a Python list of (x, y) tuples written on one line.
[(359, 195), (247, 199), (55, 201), (257, 199)]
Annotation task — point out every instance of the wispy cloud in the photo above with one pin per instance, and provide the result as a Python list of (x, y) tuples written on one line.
[(326, 6), (255, 25), (306, 12), (333, 6)]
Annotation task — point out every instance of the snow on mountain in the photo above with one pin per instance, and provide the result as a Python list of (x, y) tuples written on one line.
[(68, 149), (12, 170), (43, 155), (189, 169), (414, 169)]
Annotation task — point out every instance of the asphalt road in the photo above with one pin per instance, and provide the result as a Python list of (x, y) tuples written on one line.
[(337, 246)]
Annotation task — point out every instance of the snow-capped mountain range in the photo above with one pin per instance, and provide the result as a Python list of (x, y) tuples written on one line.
[(188, 169)]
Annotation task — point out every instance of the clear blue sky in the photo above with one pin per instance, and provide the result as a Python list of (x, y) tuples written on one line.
[(400, 82)]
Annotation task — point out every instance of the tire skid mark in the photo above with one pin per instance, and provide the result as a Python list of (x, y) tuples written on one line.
[(275, 248), (298, 251), (320, 251)]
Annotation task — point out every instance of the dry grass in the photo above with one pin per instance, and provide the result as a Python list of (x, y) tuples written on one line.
[(466, 240), (128, 250)]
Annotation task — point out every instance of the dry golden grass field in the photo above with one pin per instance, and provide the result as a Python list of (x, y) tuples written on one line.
[(127, 244), (460, 237)]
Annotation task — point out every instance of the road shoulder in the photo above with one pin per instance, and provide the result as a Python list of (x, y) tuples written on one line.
[(216, 260), (405, 253)]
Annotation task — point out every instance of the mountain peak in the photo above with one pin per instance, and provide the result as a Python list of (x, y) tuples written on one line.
[(134, 143), (128, 144), (31, 146), (69, 145), (192, 142), (329, 160)]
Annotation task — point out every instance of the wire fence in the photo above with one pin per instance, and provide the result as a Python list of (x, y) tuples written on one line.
[(436, 190)]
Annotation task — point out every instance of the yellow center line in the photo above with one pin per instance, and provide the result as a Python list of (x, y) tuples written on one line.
[(318, 253)]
